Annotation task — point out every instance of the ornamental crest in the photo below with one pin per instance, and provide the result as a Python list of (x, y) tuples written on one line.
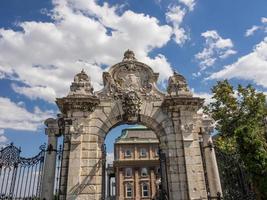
[(130, 75)]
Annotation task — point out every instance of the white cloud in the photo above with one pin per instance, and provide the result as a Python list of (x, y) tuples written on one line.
[(252, 30), (252, 67), (13, 116), (45, 56), (189, 3), (3, 138), (215, 48), (110, 158), (36, 92), (264, 19), (175, 16), (205, 95)]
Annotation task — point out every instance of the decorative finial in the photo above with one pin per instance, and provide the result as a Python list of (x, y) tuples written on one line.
[(178, 85), (81, 85), (129, 55)]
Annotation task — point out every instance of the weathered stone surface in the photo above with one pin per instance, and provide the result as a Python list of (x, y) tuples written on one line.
[(130, 95)]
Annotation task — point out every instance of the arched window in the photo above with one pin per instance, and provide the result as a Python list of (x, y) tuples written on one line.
[(128, 172), (145, 190), (144, 171), (129, 190)]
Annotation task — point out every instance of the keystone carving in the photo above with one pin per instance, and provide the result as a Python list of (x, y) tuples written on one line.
[(131, 104)]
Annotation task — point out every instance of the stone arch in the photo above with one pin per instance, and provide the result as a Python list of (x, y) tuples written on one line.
[(130, 95)]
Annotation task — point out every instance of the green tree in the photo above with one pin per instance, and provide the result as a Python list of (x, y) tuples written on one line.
[(241, 124)]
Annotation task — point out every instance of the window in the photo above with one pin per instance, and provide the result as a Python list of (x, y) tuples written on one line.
[(144, 172), (145, 190), (143, 152), (128, 172), (156, 152), (128, 153), (129, 190), (158, 170)]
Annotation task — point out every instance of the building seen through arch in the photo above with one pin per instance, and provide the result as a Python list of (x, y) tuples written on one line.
[(136, 165)]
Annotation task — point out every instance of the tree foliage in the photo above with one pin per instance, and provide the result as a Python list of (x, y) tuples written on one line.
[(240, 117)]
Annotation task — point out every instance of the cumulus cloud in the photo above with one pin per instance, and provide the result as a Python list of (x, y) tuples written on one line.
[(215, 48), (175, 16), (251, 30), (264, 19), (3, 138), (189, 3), (252, 67), (110, 158), (254, 28), (36, 92), (207, 96), (14, 116), (45, 56)]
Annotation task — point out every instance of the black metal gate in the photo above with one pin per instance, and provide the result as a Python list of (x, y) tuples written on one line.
[(164, 188), (20, 178), (234, 178)]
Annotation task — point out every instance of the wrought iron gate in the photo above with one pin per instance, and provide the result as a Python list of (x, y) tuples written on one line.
[(234, 178), (164, 190), (20, 178)]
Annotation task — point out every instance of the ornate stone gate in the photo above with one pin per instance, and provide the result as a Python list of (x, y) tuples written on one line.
[(130, 95)]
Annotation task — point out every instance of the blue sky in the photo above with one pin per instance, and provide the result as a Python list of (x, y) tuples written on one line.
[(43, 44)]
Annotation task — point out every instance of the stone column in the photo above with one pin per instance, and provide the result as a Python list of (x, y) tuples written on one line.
[(47, 188), (210, 159), (108, 186)]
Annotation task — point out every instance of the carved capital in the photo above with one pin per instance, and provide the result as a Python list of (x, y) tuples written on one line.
[(52, 127), (77, 104), (175, 103)]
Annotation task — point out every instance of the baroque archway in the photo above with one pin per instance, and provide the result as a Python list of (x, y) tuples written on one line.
[(130, 95)]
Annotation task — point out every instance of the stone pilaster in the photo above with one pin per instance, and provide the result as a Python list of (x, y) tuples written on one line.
[(177, 164), (52, 131), (210, 159), (193, 160), (186, 170)]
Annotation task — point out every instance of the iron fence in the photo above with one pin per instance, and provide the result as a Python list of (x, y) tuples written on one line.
[(235, 181), (20, 178)]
